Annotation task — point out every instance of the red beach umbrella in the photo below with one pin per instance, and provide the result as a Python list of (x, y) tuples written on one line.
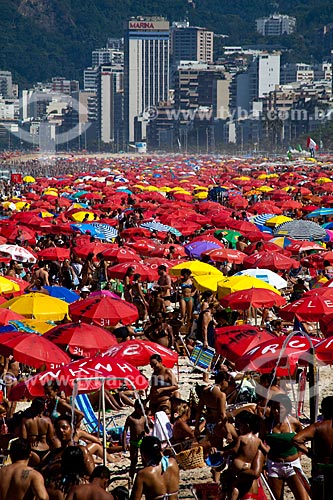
[(54, 253), (146, 273), (255, 297), (103, 311), (138, 353)]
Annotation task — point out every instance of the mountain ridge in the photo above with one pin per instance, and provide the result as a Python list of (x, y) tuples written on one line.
[(45, 38)]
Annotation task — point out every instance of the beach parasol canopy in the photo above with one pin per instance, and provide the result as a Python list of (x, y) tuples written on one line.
[(310, 307), (255, 297), (138, 353), (265, 275), (196, 267), (301, 230), (232, 342), (38, 306), (18, 253), (66, 375), (81, 339), (103, 311), (237, 283), (32, 350), (264, 357)]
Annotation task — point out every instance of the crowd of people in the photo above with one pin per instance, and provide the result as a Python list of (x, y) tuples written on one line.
[(52, 456)]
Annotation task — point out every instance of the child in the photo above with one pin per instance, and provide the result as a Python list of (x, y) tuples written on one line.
[(243, 453), (137, 425)]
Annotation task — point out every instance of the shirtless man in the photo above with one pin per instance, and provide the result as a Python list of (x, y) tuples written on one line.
[(159, 479), (321, 435), (164, 282), (163, 385), (41, 274), (95, 490), (136, 423), (38, 430), (18, 481)]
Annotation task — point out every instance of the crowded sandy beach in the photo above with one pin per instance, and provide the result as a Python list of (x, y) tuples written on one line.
[(166, 327)]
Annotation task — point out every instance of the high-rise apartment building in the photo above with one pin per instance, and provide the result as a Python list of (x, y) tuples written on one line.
[(6, 84), (146, 71), (260, 78), (190, 43), (276, 25)]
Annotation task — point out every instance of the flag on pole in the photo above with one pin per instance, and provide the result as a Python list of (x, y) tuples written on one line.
[(311, 144)]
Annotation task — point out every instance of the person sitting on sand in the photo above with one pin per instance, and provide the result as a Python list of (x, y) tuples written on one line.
[(19, 481), (159, 478)]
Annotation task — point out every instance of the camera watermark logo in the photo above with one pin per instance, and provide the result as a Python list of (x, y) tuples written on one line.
[(52, 119)]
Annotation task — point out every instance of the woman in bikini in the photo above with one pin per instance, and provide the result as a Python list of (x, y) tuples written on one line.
[(56, 406), (160, 332), (186, 297), (38, 430), (159, 478), (283, 464)]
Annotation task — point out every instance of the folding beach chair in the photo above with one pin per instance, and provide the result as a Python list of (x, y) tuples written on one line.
[(91, 422), (201, 357)]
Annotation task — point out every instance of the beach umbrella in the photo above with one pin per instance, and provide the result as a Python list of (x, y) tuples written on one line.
[(29, 179), (264, 357), (6, 315), (120, 255), (196, 267), (301, 230), (195, 249), (274, 261), (232, 342), (81, 339), (8, 286), (226, 255), (62, 293), (304, 246), (146, 272), (312, 307), (18, 253), (237, 283), (262, 218), (277, 220), (108, 231), (54, 253), (268, 246), (103, 311), (255, 297), (229, 235), (38, 306), (265, 275), (65, 376), (324, 351), (157, 226), (320, 212), (138, 353), (32, 350), (94, 247), (80, 215)]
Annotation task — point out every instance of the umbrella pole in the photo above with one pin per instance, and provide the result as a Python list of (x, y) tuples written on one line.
[(312, 387), (104, 421)]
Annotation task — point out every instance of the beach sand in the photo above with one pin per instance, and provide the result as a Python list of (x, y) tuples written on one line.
[(188, 379)]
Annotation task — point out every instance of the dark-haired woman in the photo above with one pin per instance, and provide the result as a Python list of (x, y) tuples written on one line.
[(159, 478), (283, 463)]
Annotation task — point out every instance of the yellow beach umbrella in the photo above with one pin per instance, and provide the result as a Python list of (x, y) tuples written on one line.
[(22, 204), (51, 193), (196, 267), (79, 216), (34, 324), (323, 180), (8, 286), (38, 306), (237, 283), (29, 178), (265, 189), (276, 221), (201, 195), (206, 282)]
